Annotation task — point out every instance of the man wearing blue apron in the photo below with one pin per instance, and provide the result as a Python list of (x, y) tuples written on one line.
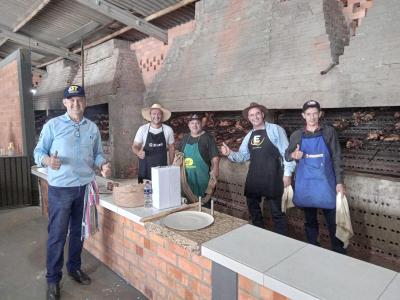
[(268, 173), (201, 157), (153, 140), (319, 175)]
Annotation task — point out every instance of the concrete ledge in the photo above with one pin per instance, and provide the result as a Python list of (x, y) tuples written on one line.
[(298, 270)]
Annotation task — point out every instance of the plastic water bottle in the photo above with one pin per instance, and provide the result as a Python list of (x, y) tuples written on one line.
[(148, 194)]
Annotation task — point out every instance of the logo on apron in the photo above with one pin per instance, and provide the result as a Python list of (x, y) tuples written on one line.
[(257, 141), (152, 145), (189, 163), (314, 155)]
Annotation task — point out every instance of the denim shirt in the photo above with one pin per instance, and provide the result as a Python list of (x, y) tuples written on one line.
[(79, 149), (277, 136)]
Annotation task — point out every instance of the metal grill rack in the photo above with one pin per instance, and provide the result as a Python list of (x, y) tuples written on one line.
[(374, 157)]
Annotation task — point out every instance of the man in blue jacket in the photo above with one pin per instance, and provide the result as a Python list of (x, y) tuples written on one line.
[(268, 173), (319, 176), (70, 147)]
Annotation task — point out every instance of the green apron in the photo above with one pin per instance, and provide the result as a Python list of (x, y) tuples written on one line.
[(196, 170)]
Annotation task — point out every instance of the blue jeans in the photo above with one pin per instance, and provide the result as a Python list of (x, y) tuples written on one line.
[(312, 227), (65, 212), (278, 217)]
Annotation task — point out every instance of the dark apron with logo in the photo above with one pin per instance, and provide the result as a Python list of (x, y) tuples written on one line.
[(155, 154), (265, 171), (315, 178)]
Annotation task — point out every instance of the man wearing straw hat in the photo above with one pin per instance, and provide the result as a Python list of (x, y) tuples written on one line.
[(153, 140), (269, 173), (70, 147)]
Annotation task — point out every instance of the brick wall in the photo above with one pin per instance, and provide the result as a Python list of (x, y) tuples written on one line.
[(250, 290), (36, 78), (273, 52), (150, 52), (157, 267), (369, 68), (10, 113), (112, 76), (52, 84), (355, 11)]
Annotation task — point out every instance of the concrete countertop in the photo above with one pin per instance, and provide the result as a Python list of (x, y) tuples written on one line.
[(299, 270)]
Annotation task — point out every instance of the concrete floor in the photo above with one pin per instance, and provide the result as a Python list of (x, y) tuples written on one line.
[(23, 234)]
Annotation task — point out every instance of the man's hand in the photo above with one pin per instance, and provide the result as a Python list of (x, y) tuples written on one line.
[(287, 180), (297, 154), (141, 154), (53, 161), (340, 189), (225, 150), (106, 170)]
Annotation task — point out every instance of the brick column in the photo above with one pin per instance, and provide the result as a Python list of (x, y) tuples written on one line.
[(159, 268)]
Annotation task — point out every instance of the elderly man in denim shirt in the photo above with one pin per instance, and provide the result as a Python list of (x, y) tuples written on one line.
[(70, 147), (268, 173)]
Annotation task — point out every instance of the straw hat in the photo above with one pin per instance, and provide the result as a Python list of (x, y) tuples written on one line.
[(165, 112), (253, 105)]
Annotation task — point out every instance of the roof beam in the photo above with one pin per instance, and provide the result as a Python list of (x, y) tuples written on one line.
[(37, 45), (169, 9), (126, 18), (29, 16), (151, 17), (156, 15)]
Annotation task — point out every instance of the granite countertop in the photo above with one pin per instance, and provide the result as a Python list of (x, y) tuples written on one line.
[(193, 239)]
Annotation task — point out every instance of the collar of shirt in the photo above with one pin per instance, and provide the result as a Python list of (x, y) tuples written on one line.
[(67, 118), (319, 128)]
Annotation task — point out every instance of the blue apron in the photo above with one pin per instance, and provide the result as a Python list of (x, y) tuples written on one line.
[(315, 183)]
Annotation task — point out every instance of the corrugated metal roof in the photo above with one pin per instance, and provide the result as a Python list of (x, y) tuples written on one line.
[(144, 7), (178, 17), (13, 11), (61, 17)]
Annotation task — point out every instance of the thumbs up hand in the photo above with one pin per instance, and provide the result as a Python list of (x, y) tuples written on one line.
[(297, 154), (225, 150), (53, 161)]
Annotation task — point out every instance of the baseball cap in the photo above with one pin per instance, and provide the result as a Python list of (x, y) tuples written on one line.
[(311, 103), (74, 91), (195, 116)]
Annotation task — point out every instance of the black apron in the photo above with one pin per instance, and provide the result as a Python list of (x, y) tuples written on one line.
[(155, 154), (265, 176)]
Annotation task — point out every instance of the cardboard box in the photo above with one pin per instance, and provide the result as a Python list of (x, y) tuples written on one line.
[(166, 186)]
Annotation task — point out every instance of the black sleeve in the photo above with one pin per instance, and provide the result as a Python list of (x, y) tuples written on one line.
[(208, 148), (332, 140), (212, 149), (294, 140)]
